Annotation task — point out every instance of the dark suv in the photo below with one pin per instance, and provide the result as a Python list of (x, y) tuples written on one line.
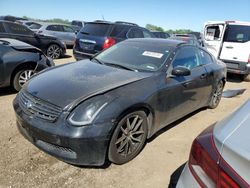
[(98, 35), (51, 46)]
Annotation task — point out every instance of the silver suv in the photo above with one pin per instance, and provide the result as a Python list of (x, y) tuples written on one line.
[(61, 31)]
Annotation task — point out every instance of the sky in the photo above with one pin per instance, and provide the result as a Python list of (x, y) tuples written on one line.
[(174, 14)]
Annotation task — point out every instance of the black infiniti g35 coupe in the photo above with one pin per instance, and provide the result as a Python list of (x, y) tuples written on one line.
[(106, 108)]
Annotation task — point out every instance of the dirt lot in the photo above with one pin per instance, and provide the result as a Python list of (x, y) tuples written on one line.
[(23, 165)]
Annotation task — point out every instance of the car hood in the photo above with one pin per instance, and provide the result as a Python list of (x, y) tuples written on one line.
[(232, 140), (70, 84), (18, 45)]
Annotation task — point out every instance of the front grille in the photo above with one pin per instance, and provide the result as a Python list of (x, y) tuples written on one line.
[(38, 107)]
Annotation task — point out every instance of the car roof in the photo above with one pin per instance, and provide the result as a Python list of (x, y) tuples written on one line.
[(113, 23), (227, 22), (51, 23), (159, 41)]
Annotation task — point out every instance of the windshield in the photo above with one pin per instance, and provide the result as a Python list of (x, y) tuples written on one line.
[(95, 29), (134, 55)]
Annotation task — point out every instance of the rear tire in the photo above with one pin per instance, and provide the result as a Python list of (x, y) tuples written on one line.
[(246, 78), (128, 138), (216, 95), (54, 51), (21, 77)]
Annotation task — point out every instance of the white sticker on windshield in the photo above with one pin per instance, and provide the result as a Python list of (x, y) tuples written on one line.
[(152, 54)]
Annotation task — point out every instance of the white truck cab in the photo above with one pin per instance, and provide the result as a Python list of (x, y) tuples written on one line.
[(229, 41)]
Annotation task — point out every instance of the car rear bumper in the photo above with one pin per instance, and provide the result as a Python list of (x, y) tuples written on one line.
[(187, 179), (235, 67), (85, 145), (81, 55)]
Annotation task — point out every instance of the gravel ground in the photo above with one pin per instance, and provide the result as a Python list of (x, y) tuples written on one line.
[(23, 165)]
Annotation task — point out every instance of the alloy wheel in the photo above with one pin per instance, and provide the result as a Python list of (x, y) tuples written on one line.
[(217, 94), (25, 76), (130, 135), (54, 51)]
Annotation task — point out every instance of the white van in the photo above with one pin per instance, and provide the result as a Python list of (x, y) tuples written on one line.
[(229, 41)]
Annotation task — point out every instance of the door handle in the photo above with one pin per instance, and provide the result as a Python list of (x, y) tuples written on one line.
[(187, 83), (203, 76), (229, 47)]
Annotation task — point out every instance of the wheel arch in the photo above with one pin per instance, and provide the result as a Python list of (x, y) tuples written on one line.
[(140, 107), (21, 66)]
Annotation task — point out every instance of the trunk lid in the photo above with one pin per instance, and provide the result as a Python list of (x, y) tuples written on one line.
[(232, 139)]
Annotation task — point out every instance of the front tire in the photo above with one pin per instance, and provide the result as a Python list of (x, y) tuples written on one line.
[(246, 78), (128, 138), (216, 95), (54, 51), (21, 77)]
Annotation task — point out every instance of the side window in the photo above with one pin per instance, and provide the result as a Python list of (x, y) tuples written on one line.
[(35, 26), (135, 33), (237, 33), (214, 32), (147, 34), (18, 29), (2, 30), (68, 29), (119, 31), (187, 57), (54, 28), (205, 58)]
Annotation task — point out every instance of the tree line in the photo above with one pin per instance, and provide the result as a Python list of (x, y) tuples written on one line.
[(152, 27)]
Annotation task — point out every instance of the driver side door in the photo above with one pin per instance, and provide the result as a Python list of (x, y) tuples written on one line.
[(184, 94)]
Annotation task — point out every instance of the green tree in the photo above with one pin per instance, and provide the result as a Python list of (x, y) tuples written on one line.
[(54, 20), (154, 28)]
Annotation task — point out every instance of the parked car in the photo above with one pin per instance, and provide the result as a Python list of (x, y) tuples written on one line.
[(229, 41), (185, 35), (219, 156), (196, 34), (12, 18), (51, 46), (61, 31), (108, 106), (189, 39), (159, 34), (99, 35), (19, 61), (77, 25)]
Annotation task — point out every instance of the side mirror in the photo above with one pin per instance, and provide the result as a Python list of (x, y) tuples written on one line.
[(181, 71)]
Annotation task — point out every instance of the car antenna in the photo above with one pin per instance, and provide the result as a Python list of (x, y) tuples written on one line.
[(103, 18)]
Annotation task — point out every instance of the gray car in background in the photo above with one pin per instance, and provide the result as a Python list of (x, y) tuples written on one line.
[(61, 31), (220, 155)]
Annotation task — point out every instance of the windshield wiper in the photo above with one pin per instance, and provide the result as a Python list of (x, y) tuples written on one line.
[(120, 66), (97, 60)]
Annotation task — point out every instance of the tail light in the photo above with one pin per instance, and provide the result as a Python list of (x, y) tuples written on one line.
[(108, 42), (208, 167), (76, 42), (248, 59)]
